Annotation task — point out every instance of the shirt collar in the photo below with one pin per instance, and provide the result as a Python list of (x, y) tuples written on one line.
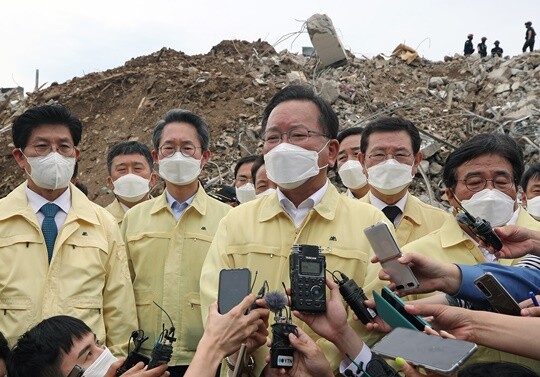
[(37, 201), (380, 204), (172, 200), (310, 202)]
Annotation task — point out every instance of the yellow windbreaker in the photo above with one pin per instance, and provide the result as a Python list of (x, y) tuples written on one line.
[(258, 235), (87, 278), (165, 259)]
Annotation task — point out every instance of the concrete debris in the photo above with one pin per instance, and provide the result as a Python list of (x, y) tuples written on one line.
[(326, 41), (449, 101)]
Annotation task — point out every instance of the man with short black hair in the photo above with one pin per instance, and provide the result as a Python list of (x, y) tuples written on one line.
[(530, 194), (244, 188), (481, 176), (299, 135), (468, 49), (57, 345), (482, 48), (390, 154), (349, 169), (497, 51), (131, 176), (167, 237), (59, 252)]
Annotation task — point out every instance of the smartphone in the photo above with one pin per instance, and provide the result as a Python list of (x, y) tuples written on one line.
[(385, 247), (77, 371), (392, 310), (431, 352), (497, 295), (234, 286)]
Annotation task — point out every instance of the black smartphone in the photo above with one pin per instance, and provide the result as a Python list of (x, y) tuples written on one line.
[(77, 371), (386, 249), (392, 310), (432, 352), (497, 295), (234, 286)]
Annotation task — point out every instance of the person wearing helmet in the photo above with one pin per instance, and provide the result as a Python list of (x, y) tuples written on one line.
[(482, 48), (468, 49), (496, 51), (529, 37)]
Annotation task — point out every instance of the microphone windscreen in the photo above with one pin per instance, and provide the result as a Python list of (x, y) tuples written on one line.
[(275, 301)]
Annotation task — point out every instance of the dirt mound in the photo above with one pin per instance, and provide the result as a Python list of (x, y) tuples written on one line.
[(230, 85)]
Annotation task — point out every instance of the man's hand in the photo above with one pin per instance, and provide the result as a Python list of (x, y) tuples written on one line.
[(309, 360), (517, 242), (459, 322), (228, 331), (431, 274), (139, 370), (332, 322)]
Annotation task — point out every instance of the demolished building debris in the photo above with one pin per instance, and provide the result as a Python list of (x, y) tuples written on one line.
[(449, 101)]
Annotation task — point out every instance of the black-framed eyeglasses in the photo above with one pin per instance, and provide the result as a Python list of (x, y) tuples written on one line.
[(295, 135), (475, 184), (402, 157), (43, 149), (187, 149)]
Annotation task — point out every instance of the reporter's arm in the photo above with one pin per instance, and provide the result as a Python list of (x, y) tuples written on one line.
[(513, 334), (223, 336)]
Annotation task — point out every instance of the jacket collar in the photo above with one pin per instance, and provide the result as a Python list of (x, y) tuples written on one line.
[(199, 203), (326, 208), (16, 204)]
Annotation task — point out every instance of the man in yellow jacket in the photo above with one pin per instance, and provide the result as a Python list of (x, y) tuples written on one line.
[(59, 252), (131, 176), (167, 237), (299, 133), (482, 176), (390, 154)]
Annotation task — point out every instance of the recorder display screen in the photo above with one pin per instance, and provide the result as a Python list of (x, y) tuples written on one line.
[(310, 268)]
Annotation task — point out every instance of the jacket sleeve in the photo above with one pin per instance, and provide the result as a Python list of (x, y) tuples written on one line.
[(119, 311), (518, 281), (216, 260)]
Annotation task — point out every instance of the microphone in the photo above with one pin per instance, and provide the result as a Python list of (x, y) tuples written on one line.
[(276, 301), (281, 352)]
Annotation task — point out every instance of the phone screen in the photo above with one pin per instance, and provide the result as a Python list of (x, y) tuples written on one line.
[(234, 286), (429, 351)]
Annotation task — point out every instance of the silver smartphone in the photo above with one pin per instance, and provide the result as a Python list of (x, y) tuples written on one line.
[(431, 352), (497, 295), (385, 247)]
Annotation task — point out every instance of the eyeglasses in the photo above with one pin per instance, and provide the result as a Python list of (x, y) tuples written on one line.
[(475, 184), (402, 157), (187, 149), (43, 149), (295, 135)]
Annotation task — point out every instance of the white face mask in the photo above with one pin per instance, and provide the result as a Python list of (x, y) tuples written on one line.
[(352, 174), (245, 193), (289, 165), (390, 176), (131, 187), (491, 205), (268, 191), (52, 171), (179, 169), (101, 365), (533, 207)]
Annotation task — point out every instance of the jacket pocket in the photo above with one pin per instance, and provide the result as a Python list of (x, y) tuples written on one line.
[(351, 262), (192, 326), (147, 315), (89, 310), (16, 316)]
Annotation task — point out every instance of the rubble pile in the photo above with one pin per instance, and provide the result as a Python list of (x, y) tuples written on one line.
[(449, 101)]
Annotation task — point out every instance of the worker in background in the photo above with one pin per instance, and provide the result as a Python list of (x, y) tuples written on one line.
[(529, 37), (482, 48), (496, 51), (468, 49)]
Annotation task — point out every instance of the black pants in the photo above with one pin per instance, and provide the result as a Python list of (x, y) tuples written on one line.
[(180, 370), (530, 44)]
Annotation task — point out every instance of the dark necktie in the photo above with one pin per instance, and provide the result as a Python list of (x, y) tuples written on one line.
[(48, 227), (391, 212)]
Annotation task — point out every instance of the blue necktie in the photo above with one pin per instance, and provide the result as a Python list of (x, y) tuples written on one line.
[(48, 227)]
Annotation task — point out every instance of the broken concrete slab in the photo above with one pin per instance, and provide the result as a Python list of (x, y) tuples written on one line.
[(326, 41)]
